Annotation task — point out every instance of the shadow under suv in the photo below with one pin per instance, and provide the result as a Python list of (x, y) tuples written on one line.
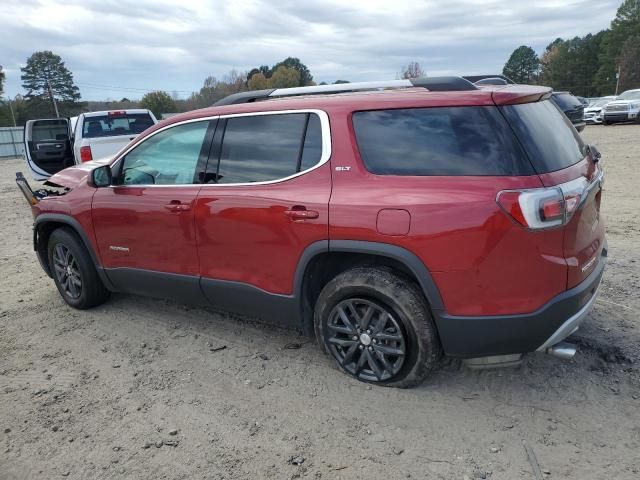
[(395, 220)]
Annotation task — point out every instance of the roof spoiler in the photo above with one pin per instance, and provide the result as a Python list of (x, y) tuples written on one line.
[(433, 84)]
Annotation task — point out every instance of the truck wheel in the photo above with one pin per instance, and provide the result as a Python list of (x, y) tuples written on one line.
[(73, 271), (377, 326)]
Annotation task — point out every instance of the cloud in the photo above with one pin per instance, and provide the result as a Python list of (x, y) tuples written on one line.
[(130, 46)]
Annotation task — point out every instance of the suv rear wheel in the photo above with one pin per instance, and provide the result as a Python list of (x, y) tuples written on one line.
[(377, 326), (73, 271)]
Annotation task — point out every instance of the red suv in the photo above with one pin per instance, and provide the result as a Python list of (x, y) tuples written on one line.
[(395, 220)]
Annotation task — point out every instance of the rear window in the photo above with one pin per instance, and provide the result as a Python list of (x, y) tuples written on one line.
[(566, 101), (473, 141), (546, 134), (118, 124)]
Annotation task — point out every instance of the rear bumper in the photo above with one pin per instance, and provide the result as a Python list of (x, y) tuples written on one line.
[(483, 336)]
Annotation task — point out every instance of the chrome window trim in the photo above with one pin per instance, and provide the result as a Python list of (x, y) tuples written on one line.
[(324, 157)]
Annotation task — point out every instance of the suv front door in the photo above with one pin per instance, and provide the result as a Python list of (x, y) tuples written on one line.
[(144, 223), (265, 201)]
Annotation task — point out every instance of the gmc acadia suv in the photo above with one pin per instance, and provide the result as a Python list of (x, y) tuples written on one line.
[(395, 220)]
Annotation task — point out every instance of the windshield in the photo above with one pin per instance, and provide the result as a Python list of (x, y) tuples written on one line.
[(110, 125), (600, 102), (630, 95)]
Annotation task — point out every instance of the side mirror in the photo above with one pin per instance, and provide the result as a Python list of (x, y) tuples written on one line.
[(101, 176)]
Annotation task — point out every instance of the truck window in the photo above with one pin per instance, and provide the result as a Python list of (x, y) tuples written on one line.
[(110, 125)]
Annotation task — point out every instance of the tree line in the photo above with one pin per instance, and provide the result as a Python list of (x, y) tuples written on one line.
[(588, 66), (50, 89), (593, 65)]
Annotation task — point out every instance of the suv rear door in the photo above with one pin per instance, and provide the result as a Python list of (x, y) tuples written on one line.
[(47, 146), (265, 200)]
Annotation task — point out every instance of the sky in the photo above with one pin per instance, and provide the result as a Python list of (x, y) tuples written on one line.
[(122, 48)]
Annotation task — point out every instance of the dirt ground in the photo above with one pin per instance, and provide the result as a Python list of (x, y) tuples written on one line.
[(136, 388)]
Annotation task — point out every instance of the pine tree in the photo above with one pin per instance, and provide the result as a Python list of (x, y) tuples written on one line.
[(522, 66)]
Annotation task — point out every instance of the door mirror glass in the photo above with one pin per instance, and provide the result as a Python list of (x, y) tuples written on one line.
[(101, 176)]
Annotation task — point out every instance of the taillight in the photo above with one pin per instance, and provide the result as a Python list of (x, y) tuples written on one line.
[(85, 154), (539, 208)]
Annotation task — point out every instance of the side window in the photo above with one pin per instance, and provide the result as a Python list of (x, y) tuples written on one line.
[(312, 144), (268, 147), (471, 141), (167, 158)]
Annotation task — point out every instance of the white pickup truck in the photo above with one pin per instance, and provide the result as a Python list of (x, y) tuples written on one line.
[(54, 144)]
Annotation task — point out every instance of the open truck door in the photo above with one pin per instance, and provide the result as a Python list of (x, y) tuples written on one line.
[(48, 147)]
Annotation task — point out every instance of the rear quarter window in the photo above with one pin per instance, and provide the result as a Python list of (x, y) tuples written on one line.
[(473, 141), (546, 134)]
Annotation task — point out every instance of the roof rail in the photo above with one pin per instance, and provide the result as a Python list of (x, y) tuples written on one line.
[(434, 84), (478, 79)]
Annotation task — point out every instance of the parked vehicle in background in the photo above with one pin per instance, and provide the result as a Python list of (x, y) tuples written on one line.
[(571, 107), (57, 143), (583, 101), (428, 215), (625, 108), (593, 112)]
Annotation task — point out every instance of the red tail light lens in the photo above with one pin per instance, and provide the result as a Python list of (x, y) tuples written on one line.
[(85, 154), (552, 209), (540, 208)]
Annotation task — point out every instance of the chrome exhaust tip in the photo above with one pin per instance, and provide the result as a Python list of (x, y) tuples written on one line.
[(564, 350)]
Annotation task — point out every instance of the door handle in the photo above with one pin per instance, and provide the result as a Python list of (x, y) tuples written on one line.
[(177, 206), (299, 212)]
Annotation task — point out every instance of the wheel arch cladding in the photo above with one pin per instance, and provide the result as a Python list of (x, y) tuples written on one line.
[(46, 223), (324, 260), (401, 255)]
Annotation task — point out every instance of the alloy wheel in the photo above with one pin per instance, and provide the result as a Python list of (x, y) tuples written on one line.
[(67, 271), (366, 339)]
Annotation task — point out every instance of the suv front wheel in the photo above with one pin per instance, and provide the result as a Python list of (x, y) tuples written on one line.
[(73, 271), (377, 327)]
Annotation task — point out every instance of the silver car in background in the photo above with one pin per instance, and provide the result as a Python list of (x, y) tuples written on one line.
[(593, 112), (625, 108)]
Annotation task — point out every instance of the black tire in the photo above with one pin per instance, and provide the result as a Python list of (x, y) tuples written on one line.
[(77, 279), (359, 291), (605, 123)]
